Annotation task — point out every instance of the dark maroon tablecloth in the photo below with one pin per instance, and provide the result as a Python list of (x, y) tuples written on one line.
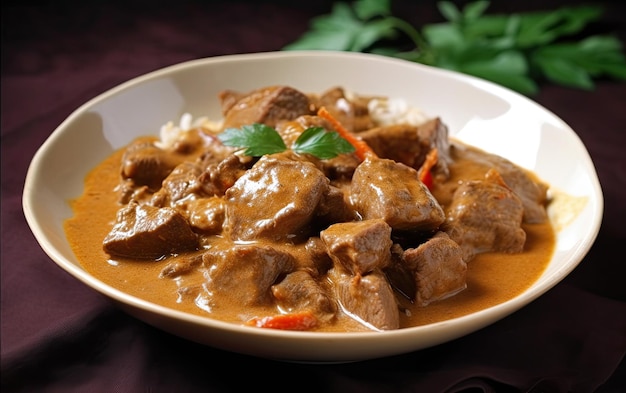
[(60, 336)]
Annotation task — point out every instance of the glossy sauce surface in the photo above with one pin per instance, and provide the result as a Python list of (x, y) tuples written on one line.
[(492, 277)]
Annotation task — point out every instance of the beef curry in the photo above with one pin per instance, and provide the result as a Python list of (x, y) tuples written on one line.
[(405, 227)]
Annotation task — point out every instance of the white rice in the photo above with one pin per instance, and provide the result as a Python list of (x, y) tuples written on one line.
[(384, 112), (395, 110), (170, 132)]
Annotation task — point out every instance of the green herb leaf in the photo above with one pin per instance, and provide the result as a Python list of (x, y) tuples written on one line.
[(321, 143), (542, 28), (257, 139), (330, 32), (369, 9), (449, 11), (475, 10), (566, 73), (575, 64), (508, 69), (518, 50), (344, 30)]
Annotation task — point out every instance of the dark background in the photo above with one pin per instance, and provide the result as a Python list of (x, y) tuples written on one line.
[(57, 335)]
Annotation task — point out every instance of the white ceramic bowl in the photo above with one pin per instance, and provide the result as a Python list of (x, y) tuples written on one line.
[(478, 112)]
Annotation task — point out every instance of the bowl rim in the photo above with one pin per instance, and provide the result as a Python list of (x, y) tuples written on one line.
[(479, 318)]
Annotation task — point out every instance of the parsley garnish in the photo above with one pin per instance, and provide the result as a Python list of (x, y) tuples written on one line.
[(517, 50), (259, 139)]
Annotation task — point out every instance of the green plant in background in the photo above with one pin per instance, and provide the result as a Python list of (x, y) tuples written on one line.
[(516, 50)]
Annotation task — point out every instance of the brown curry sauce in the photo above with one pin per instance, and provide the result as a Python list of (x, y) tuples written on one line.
[(492, 278)]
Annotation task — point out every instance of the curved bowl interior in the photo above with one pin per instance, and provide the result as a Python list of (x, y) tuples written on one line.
[(478, 112)]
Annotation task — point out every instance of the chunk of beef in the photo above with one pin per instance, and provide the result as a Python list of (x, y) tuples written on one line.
[(485, 215), (206, 215), (532, 192), (398, 142), (334, 207), (147, 165), (215, 151), (298, 291), (383, 188), (309, 255), (194, 142), (438, 268), (267, 105), (129, 191), (410, 144), (359, 246), (275, 199), (217, 178), (181, 265), (148, 232), (340, 168), (350, 111), (179, 184), (369, 299), (401, 278), (316, 253), (244, 274)]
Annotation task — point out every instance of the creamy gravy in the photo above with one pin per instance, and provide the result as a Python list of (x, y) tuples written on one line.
[(492, 278)]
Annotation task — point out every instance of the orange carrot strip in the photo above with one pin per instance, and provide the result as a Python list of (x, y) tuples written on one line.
[(296, 321), (362, 149), (424, 172)]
